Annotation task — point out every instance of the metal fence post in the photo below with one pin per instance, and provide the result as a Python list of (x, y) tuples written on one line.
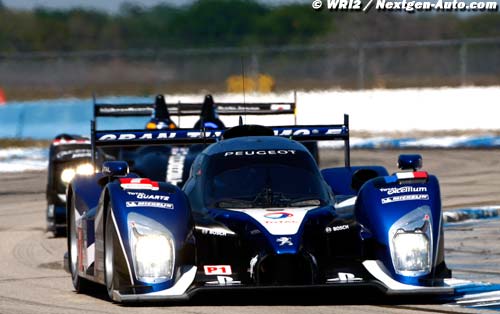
[(20, 122), (463, 64), (254, 66), (361, 67)]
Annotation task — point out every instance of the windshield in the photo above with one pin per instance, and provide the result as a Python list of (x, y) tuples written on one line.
[(263, 180)]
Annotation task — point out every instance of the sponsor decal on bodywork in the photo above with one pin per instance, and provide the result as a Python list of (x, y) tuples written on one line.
[(157, 136), (74, 154), (404, 189), (284, 225), (144, 196), (223, 281), (345, 277), (336, 228), (149, 204), (403, 198), (217, 231), (175, 166), (306, 132), (260, 152), (218, 270), (278, 215), (284, 241)]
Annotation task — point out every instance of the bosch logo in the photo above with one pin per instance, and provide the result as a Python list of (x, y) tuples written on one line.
[(278, 215)]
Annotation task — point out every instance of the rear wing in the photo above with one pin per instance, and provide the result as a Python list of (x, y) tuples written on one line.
[(235, 109), (123, 138), (133, 109)]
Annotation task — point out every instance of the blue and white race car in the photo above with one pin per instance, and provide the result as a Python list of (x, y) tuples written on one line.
[(71, 154), (255, 212)]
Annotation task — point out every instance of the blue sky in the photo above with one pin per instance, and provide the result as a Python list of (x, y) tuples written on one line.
[(111, 6)]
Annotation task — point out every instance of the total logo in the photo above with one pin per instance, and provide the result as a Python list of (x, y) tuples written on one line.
[(278, 215)]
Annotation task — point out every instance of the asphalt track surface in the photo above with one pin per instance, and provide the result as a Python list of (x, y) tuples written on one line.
[(32, 279)]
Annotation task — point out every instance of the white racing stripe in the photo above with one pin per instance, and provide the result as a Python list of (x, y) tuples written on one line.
[(90, 255), (62, 197), (123, 247), (377, 270), (346, 203), (178, 289)]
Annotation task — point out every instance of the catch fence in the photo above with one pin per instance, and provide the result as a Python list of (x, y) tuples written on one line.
[(323, 66)]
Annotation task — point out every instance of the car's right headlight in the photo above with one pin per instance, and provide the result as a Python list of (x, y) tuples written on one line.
[(153, 249)]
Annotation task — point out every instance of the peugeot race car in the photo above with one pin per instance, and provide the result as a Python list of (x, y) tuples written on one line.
[(255, 212), (71, 155)]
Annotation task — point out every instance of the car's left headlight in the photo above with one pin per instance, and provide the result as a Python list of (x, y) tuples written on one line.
[(85, 169), (69, 173), (410, 241), (153, 249), (411, 253)]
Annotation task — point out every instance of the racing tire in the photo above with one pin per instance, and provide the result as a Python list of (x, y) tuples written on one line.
[(80, 284), (109, 239), (116, 272)]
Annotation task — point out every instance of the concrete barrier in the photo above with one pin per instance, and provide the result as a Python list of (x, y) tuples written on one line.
[(404, 110)]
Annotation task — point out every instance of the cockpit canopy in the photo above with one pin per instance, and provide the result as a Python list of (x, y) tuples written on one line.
[(263, 178)]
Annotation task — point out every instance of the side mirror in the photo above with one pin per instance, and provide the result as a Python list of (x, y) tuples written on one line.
[(410, 162), (115, 168)]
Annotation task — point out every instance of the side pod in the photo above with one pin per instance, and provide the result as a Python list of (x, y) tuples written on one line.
[(403, 214), (154, 225)]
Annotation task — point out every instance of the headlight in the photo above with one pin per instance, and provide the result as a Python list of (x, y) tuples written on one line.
[(411, 243), (67, 175), (411, 253), (153, 249), (85, 169)]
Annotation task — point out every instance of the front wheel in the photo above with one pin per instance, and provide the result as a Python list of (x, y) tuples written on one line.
[(116, 271), (109, 270), (80, 284)]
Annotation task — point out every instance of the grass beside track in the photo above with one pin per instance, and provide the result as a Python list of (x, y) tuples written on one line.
[(15, 142)]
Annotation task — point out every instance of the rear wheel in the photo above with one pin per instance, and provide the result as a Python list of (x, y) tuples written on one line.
[(81, 284), (116, 271)]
